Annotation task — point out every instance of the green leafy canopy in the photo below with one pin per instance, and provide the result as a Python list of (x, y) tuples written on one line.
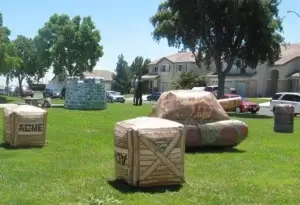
[(221, 31), (72, 45), (121, 80)]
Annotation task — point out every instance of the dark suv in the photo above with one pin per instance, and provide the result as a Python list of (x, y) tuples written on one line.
[(52, 93), (153, 96)]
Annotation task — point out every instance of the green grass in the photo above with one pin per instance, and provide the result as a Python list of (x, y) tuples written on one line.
[(258, 100), (78, 163), (11, 99)]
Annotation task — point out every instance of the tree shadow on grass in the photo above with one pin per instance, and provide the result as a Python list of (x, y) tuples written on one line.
[(8, 147), (213, 150), (250, 116), (125, 188), (4, 100)]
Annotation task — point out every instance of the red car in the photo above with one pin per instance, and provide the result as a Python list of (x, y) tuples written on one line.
[(246, 106)]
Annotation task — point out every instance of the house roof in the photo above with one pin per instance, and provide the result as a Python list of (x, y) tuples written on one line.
[(288, 52), (107, 75), (179, 57)]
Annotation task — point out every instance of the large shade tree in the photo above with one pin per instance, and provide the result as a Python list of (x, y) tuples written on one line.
[(72, 45), (23, 59), (221, 31), (4, 41)]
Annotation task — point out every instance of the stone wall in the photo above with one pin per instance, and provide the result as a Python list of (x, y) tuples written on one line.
[(87, 94)]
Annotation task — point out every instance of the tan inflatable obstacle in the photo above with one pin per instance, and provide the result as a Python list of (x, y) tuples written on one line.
[(149, 152), (25, 126), (207, 123)]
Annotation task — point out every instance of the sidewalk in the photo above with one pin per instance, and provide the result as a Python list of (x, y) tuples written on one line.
[(4, 105), (131, 98), (265, 104)]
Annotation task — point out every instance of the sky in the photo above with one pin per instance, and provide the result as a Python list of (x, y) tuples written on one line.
[(124, 25)]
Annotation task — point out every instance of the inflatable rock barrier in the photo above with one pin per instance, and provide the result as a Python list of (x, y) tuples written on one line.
[(205, 120)]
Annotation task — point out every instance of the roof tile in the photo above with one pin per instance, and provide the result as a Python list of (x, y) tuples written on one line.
[(288, 53), (107, 75), (179, 57)]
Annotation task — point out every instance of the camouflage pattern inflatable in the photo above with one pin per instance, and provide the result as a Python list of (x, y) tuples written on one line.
[(206, 122)]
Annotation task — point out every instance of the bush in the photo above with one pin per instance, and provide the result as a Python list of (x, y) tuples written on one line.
[(187, 81)]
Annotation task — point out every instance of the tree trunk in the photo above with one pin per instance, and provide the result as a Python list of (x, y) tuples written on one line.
[(7, 85), (221, 85), (243, 70), (20, 80)]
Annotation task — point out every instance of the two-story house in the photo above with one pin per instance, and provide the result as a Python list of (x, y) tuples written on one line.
[(264, 80), (163, 71)]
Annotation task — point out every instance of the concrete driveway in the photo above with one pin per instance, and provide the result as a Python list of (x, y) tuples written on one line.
[(145, 101)]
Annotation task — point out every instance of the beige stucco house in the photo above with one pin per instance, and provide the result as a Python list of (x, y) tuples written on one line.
[(107, 75), (265, 80), (163, 71)]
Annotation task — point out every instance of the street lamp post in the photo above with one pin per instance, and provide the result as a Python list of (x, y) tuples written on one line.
[(290, 11)]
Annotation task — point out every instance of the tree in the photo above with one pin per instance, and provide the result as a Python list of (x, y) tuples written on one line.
[(71, 44), (121, 80), (22, 59), (12, 61), (221, 31), (188, 80), (139, 66), (4, 41), (42, 64)]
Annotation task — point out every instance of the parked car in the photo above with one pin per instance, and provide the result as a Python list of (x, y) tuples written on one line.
[(200, 89), (246, 106), (214, 89), (153, 96), (52, 93), (286, 98), (113, 96), (27, 92)]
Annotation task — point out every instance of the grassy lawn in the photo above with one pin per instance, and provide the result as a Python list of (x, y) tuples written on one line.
[(77, 166), (258, 100), (10, 99)]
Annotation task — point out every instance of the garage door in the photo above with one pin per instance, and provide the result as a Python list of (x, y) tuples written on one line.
[(241, 87)]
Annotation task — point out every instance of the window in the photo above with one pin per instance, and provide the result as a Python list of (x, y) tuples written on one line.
[(181, 68), (296, 98), (165, 68), (155, 69), (276, 96), (289, 97), (209, 89)]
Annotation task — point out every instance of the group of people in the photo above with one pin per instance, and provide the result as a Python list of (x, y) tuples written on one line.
[(137, 86)]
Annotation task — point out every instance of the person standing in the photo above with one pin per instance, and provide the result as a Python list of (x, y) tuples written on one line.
[(139, 92), (133, 88)]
